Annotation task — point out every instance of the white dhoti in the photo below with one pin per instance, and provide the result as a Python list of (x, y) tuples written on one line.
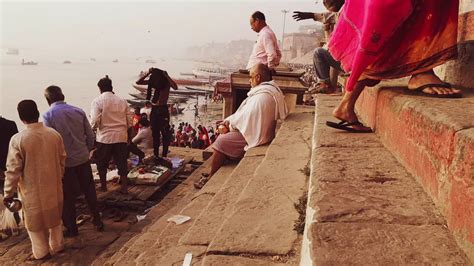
[(47, 241)]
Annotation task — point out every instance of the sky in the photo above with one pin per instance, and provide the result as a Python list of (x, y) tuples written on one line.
[(134, 29)]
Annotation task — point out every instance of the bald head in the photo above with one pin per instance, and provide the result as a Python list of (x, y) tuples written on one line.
[(258, 74)]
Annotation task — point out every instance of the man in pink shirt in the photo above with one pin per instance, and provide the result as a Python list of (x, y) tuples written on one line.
[(266, 49)]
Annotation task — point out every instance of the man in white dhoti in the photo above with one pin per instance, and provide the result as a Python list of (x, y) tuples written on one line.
[(253, 124), (35, 165)]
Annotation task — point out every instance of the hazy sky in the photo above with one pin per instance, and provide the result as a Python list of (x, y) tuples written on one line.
[(113, 29)]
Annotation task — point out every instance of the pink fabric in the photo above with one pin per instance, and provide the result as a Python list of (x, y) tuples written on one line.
[(364, 27)]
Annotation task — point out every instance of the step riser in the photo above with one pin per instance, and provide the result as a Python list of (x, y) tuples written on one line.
[(439, 152)]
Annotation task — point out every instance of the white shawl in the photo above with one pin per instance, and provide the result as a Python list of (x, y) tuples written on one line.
[(257, 115)]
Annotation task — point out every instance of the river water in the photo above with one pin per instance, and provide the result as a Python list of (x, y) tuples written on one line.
[(78, 81)]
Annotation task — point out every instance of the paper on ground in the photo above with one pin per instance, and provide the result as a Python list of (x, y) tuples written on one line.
[(187, 259), (179, 219)]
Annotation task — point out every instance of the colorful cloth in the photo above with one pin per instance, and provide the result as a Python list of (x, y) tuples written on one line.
[(394, 38)]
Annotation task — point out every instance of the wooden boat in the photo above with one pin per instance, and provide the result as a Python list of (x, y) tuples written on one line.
[(140, 103), (143, 89)]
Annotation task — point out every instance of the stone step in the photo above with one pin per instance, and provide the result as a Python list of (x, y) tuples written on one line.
[(365, 208), (434, 140), (261, 222), (208, 223), (161, 235)]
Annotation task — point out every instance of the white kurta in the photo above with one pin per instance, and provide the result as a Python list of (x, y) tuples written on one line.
[(257, 114), (35, 165)]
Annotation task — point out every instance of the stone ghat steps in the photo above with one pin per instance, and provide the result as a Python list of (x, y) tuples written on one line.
[(365, 208), (153, 243), (244, 215), (433, 138)]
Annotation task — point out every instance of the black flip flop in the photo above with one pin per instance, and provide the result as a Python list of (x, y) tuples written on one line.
[(419, 91), (347, 126)]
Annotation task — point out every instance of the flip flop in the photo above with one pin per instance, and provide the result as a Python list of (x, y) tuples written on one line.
[(347, 126), (419, 91)]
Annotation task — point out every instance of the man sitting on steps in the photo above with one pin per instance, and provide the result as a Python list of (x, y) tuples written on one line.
[(253, 124)]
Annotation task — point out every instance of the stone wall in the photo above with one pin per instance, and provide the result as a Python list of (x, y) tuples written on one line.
[(459, 72)]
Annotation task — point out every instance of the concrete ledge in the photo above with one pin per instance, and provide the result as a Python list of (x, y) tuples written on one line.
[(365, 208), (434, 140)]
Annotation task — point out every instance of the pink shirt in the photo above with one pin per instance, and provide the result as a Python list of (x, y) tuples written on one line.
[(265, 50)]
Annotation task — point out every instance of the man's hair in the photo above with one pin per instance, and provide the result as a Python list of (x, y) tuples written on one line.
[(53, 94), (105, 84), (334, 4), (264, 71), (28, 111), (258, 15), (144, 122)]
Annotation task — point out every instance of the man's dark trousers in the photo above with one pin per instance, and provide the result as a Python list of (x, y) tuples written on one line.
[(78, 179), (160, 128)]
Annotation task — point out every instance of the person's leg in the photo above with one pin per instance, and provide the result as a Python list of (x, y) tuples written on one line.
[(120, 154), (87, 186), (321, 66), (132, 147), (103, 154), (39, 243), (345, 111), (69, 208), (56, 243), (217, 160), (165, 133), (429, 77), (155, 131)]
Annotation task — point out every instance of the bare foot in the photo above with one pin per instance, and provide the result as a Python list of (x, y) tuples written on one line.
[(430, 77), (345, 110)]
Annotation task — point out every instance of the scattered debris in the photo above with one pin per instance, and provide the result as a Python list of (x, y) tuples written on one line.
[(179, 219), (301, 209), (187, 259), (140, 217)]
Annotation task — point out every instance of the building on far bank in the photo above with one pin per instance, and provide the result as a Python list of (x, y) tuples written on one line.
[(298, 44)]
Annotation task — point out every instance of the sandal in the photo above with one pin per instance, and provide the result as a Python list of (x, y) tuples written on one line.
[(202, 181)]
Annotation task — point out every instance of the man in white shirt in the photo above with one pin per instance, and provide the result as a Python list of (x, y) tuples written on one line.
[(265, 50), (253, 124), (111, 117), (147, 109)]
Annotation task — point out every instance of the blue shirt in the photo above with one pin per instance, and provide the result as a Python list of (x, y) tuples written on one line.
[(71, 122)]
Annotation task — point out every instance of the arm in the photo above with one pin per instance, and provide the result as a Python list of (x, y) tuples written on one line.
[(139, 137), (62, 154), (14, 168), (46, 120), (297, 15), (90, 136), (96, 114), (171, 81), (142, 81), (271, 51)]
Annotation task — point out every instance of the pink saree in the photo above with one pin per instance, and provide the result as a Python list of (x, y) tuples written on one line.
[(386, 39)]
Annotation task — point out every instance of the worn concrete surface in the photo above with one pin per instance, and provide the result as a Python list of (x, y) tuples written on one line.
[(210, 220), (433, 139), (236, 260), (384, 244), (161, 235), (365, 208), (264, 212)]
